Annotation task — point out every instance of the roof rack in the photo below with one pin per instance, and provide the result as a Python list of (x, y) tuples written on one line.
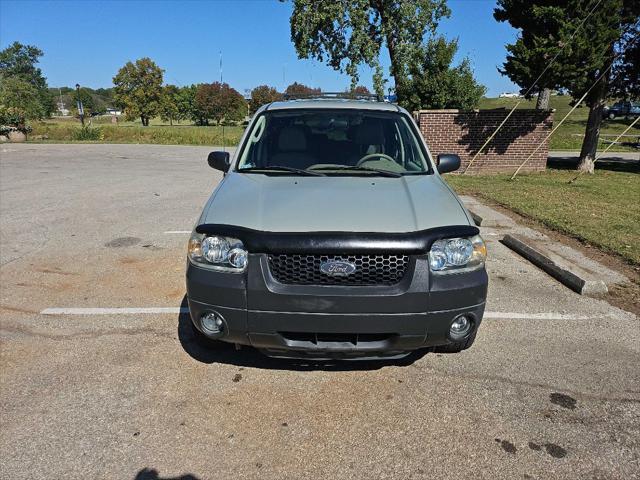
[(332, 95)]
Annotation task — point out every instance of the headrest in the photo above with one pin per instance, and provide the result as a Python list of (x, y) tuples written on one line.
[(370, 132), (292, 139)]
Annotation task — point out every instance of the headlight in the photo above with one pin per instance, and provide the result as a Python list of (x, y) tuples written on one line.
[(218, 253), (456, 254)]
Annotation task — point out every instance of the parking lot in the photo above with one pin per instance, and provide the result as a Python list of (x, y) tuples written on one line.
[(101, 378)]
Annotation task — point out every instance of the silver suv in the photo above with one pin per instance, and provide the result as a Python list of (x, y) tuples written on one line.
[(333, 235)]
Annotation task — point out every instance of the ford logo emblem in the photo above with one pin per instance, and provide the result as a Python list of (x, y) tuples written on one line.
[(337, 268)]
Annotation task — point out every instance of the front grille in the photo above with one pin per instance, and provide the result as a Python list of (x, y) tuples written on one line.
[(370, 269)]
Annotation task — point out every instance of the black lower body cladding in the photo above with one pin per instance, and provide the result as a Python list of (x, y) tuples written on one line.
[(341, 321)]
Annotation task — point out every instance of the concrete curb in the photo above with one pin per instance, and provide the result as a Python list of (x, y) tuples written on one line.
[(574, 280)]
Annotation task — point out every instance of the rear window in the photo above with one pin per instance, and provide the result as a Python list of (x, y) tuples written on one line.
[(320, 139)]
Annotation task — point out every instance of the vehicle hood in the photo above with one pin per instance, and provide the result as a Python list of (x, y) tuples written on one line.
[(279, 203)]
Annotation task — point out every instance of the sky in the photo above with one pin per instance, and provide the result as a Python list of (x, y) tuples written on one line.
[(86, 42)]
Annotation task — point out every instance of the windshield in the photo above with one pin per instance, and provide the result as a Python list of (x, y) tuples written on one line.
[(341, 142)]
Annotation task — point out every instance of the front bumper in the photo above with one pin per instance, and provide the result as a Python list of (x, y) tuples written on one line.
[(336, 321)]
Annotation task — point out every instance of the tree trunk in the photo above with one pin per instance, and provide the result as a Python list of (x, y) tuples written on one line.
[(543, 99), (592, 133), (395, 69)]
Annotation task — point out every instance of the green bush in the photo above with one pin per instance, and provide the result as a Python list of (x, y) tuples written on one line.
[(88, 134), (13, 119)]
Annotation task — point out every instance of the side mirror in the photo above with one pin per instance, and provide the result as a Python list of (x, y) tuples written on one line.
[(448, 162), (219, 160)]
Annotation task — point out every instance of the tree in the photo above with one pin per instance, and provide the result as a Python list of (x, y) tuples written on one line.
[(433, 83), (218, 101), (357, 91), (300, 90), (350, 33), (21, 96), (169, 107), (592, 58), (138, 89), (261, 96), (18, 62)]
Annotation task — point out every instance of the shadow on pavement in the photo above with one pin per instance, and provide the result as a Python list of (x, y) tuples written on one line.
[(221, 352), (152, 474)]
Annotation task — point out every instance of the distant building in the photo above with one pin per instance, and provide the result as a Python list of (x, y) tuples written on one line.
[(113, 111), (509, 95), (62, 110)]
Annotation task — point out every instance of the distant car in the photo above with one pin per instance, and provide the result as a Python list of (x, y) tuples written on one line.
[(622, 109), (333, 235)]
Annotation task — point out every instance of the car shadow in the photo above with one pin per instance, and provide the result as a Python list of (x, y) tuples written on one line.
[(152, 474), (226, 353)]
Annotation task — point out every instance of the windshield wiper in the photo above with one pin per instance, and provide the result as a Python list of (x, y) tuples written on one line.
[(279, 168), (384, 173)]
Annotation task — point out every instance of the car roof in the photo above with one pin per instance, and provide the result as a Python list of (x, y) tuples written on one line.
[(333, 103)]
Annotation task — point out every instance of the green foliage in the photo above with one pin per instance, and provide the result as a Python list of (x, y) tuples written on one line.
[(91, 103), (138, 89), (169, 108), (22, 96), (300, 90), (434, 83), (588, 64), (218, 101), (88, 133), (589, 50), (262, 95), (21, 78), (12, 118), (350, 33), (187, 105)]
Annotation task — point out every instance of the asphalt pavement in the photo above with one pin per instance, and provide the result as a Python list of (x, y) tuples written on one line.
[(112, 384)]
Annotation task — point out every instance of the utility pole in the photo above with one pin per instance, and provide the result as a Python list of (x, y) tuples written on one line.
[(220, 66), (79, 104)]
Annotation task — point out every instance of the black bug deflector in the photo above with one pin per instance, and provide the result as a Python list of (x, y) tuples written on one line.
[(337, 242)]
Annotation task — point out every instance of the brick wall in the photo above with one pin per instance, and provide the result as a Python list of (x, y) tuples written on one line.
[(464, 132)]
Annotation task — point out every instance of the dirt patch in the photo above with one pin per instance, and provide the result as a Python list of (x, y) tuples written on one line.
[(16, 309), (626, 297), (122, 242)]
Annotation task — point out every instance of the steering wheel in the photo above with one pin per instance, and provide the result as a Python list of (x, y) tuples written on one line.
[(369, 156)]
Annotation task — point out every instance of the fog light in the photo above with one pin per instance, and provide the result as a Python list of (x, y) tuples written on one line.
[(212, 323), (460, 327)]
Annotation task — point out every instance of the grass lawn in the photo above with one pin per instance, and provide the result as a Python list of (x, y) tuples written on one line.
[(601, 209), (65, 130), (569, 135)]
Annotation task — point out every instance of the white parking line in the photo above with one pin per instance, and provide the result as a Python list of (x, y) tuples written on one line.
[(176, 310), (180, 232)]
